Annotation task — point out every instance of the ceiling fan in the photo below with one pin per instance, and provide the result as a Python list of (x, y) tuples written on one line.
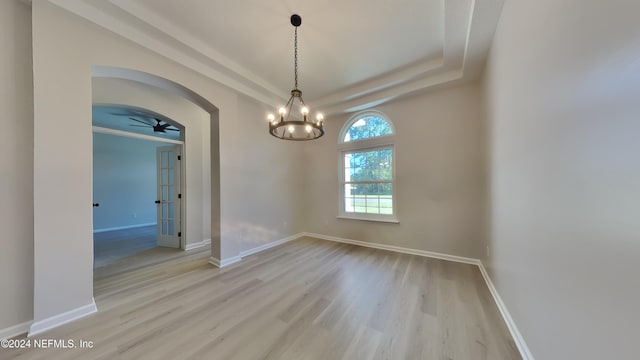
[(158, 127)]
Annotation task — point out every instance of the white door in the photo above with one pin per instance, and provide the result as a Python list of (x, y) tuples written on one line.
[(169, 196)]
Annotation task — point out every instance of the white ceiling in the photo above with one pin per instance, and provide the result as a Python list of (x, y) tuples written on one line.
[(353, 53), (119, 117)]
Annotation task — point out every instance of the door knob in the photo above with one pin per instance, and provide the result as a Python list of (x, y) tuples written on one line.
[(96, 204), (157, 201)]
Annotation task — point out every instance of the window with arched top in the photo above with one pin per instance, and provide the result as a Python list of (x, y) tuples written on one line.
[(367, 168), (366, 125)]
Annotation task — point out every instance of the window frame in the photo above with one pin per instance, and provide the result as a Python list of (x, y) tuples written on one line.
[(363, 114), (363, 145)]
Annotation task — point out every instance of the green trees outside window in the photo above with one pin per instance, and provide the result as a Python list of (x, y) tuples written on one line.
[(367, 170)]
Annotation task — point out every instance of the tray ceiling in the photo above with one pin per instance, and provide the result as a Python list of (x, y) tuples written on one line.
[(353, 54)]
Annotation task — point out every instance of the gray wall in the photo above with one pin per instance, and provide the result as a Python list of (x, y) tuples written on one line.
[(16, 162), (439, 176), (124, 181), (264, 202), (563, 91)]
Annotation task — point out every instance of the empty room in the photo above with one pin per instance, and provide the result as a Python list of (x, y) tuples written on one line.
[(419, 179)]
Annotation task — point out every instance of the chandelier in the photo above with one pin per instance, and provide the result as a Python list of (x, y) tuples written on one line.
[(293, 122)]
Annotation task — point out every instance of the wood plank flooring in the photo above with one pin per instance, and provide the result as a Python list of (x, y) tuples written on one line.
[(140, 260), (111, 246), (307, 299)]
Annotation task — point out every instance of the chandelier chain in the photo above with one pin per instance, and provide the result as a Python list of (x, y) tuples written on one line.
[(295, 57)]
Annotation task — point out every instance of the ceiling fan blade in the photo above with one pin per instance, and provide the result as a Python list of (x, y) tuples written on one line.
[(140, 121), (172, 129)]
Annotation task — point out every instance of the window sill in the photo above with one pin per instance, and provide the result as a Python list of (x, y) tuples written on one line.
[(355, 217)]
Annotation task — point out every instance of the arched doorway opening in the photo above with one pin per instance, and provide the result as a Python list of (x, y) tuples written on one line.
[(197, 119), (137, 187)]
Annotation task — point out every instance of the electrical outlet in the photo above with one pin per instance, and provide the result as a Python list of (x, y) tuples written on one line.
[(134, 215)]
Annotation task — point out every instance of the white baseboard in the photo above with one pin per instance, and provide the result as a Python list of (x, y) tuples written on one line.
[(232, 260), (214, 261), (403, 250), (123, 227), (225, 262), (47, 324), (197, 245), (15, 330), (511, 325), (270, 245)]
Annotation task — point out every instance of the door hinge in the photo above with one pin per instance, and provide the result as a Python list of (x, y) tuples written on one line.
[(179, 157), (179, 196), (179, 234)]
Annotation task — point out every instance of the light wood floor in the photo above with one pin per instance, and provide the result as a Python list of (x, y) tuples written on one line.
[(140, 260), (308, 299), (111, 246)]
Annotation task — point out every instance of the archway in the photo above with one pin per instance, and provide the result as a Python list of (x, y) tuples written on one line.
[(212, 157), (43, 306), (137, 186)]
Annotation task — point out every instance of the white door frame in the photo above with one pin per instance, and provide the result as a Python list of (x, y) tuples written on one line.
[(169, 196)]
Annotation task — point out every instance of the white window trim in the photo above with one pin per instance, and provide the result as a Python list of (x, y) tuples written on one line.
[(359, 116), (386, 141)]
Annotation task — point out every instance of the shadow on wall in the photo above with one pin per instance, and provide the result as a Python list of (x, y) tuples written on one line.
[(250, 235)]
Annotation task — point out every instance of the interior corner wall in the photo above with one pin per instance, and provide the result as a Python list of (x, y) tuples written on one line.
[(65, 48), (562, 87), (440, 180), (16, 162)]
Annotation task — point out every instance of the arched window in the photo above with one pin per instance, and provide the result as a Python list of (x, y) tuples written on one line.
[(366, 126), (367, 168)]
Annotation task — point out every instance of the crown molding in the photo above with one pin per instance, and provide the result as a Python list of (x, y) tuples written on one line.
[(468, 29), (169, 29), (169, 48)]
